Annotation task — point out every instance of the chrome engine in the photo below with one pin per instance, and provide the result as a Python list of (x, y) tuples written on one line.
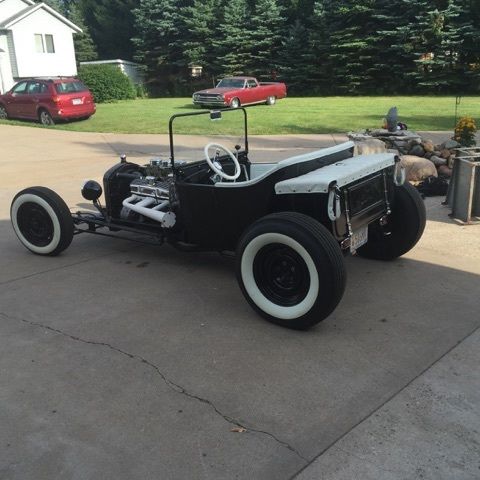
[(150, 195)]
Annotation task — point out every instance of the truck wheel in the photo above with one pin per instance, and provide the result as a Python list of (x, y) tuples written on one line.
[(235, 103), (290, 269), (42, 221), (405, 226), (271, 100)]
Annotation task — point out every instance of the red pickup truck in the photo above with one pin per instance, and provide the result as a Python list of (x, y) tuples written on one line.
[(236, 91)]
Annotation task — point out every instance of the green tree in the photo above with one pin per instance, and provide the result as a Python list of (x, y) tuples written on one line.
[(111, 26), (232, 45), (296, 64), (265, 32), (198, 22), (85, 49)]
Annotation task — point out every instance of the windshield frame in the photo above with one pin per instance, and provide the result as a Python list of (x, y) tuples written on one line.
[(231, 79), (208, 112)]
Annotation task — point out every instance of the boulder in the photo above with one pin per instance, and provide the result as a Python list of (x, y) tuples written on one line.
[(450, 145), (418, 168), (428, 155), (417, 150), (446, 154), (428, 146), (445, 171), (438, 161), (367, 147)]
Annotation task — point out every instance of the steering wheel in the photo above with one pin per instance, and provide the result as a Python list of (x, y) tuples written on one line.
[(216, 167)]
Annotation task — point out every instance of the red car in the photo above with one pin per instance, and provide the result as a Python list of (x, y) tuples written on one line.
[(48, 100), (237, 91)]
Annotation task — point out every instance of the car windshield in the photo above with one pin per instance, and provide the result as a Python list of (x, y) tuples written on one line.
[(70, 87), (231, 83), (191, 133)]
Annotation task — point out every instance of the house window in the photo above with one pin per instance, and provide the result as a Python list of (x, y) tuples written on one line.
[(39, 47), (49, 43), (44, 43)]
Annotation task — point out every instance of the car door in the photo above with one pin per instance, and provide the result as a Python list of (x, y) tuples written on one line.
[(32, 99), (16, 99), (255, 92)]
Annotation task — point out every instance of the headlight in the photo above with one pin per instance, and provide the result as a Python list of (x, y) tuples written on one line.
[(195, 96), (219, 97)]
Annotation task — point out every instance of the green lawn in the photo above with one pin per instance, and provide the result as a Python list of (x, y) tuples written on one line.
[(289, 116)]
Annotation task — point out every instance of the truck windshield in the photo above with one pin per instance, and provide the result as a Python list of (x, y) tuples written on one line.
[(231, 83)]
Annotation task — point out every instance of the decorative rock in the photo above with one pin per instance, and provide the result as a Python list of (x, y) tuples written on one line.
[(418, 168), (438, 161), (450, 144), (367, 147), (417, 150), (445, 171), (446, 153), (428, 146)]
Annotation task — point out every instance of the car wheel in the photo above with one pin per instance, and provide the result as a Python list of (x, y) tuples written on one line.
[(3, 113), (235, 103), (290, 269), (404, 227), (271, 100), (42, 221), (45, 118)]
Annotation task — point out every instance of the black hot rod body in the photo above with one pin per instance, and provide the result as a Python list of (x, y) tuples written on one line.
[(289, 223)]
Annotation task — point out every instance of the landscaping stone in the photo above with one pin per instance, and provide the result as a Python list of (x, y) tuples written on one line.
[(369, 146), (446, 154), (438, 161), (445, 171), (450, 144), (428, 146), (417, 150), (418, 168)]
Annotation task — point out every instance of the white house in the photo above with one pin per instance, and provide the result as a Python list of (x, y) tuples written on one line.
[(35, 41)]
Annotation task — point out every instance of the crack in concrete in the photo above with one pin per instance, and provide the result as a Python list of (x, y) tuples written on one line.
[(170, 383)]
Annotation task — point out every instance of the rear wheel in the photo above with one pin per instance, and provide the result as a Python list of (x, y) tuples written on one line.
[(404, 227), (271, 100), (42, 221), (290, 269), (45, 118), (3, 113), (235, 103)]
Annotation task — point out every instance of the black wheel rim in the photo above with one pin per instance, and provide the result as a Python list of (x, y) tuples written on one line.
[(281, 274), (35, 224)]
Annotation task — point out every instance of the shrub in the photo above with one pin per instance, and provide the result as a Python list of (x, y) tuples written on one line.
[(465, 132), (107, 83)]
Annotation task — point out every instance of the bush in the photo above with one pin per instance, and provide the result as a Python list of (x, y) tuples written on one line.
[(107, 83)]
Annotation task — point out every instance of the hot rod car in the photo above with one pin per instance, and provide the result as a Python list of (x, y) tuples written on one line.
[(289, 223)]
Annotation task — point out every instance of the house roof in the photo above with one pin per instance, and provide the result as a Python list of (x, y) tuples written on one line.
[(18, 17)]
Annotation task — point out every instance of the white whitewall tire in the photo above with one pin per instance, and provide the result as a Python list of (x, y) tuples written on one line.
[(290, 269), (42, 221)]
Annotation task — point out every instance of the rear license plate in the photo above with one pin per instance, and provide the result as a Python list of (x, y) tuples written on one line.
[(77, 101), (358, 239)]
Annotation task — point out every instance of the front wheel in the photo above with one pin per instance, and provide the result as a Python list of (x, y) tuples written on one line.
[(42, 221), (403, 229), (235, 103), (290, 269), (45, 118)]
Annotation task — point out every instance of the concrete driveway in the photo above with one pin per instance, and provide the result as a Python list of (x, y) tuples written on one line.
[(124, 361)]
